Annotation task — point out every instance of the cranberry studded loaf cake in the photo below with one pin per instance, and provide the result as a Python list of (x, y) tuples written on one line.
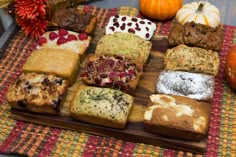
[(112, 71), (74, 20), (101, 106), (37, 93), (198, 35), (192, 85), (177, 116), (126, 24), (65, 40), (192, 59), (59, 62), (126, 44)]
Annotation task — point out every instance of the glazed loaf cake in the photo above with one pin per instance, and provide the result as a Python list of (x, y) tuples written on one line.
[(59, 62), (126, 44), (141, 27), (192, 85), (197, 35), (74, 20), (37, 93), (65, 40), (101, 106), (112, 71), (177, 116), (192, 59)]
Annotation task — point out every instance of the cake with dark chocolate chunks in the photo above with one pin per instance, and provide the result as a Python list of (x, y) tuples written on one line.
[(198, 35), (74, 20)]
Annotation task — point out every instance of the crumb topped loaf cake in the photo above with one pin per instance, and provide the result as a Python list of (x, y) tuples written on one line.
[(38, 93), (126, 44), (65, 40), (177, 116), (59, 62), (192, 85), (101, 106), (192, 59), (141, 27), (113, 71)]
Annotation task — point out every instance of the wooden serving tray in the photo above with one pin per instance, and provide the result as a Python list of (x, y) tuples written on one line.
[(134, 130)]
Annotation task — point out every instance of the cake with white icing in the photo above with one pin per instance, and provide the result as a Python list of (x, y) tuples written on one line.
[(141, 27)]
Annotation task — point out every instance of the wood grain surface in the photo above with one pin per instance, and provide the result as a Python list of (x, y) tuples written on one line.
[(134, 130)]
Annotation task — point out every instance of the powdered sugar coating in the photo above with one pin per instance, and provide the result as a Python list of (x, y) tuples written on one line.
[(141, 27), (193, 85)]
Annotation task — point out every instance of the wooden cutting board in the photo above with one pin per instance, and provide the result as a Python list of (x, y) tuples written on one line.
[(134, 130)]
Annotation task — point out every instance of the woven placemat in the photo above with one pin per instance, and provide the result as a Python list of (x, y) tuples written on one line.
[(17, 137)]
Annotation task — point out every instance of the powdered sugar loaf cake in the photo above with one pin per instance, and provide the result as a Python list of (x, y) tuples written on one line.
[(192, 85)]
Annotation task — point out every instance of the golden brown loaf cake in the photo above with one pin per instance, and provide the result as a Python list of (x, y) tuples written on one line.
[(126, 44), (177, 116), (37, 93), (192, 85), (101, 106), (197, 35), (53, 61), (113, 71), (74, 20), (65, 40), (192, 59)]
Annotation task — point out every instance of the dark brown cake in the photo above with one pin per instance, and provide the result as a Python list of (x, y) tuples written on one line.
[(197, 35), (74, 20)]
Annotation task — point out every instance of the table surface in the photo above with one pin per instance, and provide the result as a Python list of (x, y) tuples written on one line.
[(226, 7)]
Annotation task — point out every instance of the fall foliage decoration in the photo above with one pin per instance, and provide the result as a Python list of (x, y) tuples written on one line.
[(160, 9)]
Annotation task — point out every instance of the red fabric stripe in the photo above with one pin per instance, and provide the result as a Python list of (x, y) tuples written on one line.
[(51, 142), (11, 138), (214, 130)]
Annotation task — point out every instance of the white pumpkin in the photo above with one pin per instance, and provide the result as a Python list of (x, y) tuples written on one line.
[(200, 12)]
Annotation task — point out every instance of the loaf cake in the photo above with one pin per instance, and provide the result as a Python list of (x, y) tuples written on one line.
[(177, 116), (101, 106), (65, 40), (37, 93), (112, 71), (141, 27), (74, 20), (192, 59), (59, 62), (198, 35), (126, 44), (192, 85)]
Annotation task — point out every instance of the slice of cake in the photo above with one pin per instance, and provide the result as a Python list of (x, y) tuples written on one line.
[(126, 44), (112, 71), (65, 40), (192, 59), (101, 106), (120, 23), (59, 62), (177, 116), (192, 85), (37, 93)]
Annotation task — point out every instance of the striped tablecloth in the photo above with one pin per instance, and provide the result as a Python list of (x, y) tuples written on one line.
[(17, 137)]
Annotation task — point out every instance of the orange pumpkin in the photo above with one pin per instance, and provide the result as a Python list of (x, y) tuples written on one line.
[(160, 9), (230, 67)]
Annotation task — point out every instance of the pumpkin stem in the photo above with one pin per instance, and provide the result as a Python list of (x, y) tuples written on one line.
[(200, 7)]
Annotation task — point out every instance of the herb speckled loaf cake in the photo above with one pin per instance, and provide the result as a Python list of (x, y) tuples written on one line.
[(101, 106)]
